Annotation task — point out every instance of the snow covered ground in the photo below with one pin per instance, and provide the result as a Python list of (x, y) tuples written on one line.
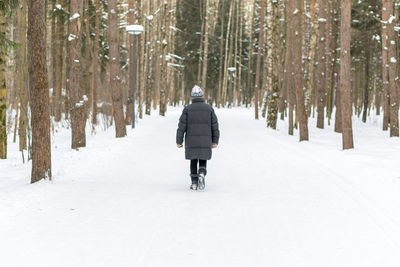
[(269, 200)]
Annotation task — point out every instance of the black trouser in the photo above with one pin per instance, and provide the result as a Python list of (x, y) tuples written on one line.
[(193, 168)]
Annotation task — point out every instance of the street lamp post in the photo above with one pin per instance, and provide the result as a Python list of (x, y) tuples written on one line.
[(134, 30), (231, 71)]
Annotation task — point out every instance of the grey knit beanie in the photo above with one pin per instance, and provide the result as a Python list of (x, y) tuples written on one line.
[(197, 91)]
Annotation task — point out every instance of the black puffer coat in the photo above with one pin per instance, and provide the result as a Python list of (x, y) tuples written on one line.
[(198, 125)]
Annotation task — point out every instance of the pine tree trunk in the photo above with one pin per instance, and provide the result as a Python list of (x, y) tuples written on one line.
[(366, 81), (150, 49), (321, 67), (273, 59), (58, 68), (250, 66), (297, 67), (38, 91), (95, 64), (288, 82), (385, 65), (345, 75), (3, 99), (131, 21), (259, 58), (393, 73), (333, 62), (22, 76), (164, 48), (77, 101), (115, 80), (205, 55), (221, 60), (226, 57)]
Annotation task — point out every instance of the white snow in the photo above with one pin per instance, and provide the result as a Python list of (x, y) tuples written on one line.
[(269, 200), (74, 16), (71, 37), (393, 60)]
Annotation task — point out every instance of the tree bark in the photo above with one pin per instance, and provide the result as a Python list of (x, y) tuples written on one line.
[(77, 99), (385, 65), (3, 98), (205, 56), (115, 80), (58, 68), (345, 75), (38, 91), (95, 64), (366, 81), (297, 67), (131, 20), (22, 76), (259, 58), (321, 67), (274, 63), (393, 73)]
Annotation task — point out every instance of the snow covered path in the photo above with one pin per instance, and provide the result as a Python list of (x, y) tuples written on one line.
[(269, 200)]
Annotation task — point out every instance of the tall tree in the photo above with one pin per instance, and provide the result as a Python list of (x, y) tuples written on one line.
[(6, 8), (274, 62), (77, 97), (298, 9), (205, 54), (60, 14), (131, 21), (259, 58), (95, 63), (385, 65), (38, 91), (345, 75), (321, 67), (393, 72), (115, 78), (3, 87), (22, 75)]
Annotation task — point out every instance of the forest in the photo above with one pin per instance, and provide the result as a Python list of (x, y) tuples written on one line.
[(199, 133), (72, 62)]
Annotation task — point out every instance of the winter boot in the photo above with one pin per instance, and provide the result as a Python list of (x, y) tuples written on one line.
[(195, 181), (202, 177)]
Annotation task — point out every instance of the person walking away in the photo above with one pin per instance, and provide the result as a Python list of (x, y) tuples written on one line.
[(198, 127)]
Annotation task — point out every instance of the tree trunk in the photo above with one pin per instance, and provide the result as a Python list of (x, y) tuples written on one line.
[(115, 80), (385, 65), (205, 56), (366, 81), (251, 49), (259, 58), (22, 76), (38, 91), (131, 21), (345, 75), (3, 98), (77, 101), (58, 68), (321, 67), (226, 57), (95, 63), (393, 74), (164, 49), (297, 67), (274, 63)]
